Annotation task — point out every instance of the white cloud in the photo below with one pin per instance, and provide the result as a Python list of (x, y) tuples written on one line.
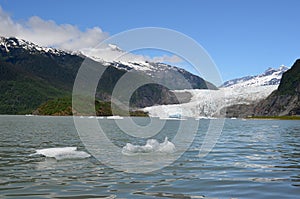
[(48, 33), (110, 53), (115, 53), (69, 37), (166, 58)]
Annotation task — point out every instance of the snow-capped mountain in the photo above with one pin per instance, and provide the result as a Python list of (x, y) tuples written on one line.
[(58, 68), (113, 56), (55, 71), (210, 103), (174, 77), (270, 77), (8, 43)]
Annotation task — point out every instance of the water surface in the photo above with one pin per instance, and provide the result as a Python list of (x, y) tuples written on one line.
[(252, 159)]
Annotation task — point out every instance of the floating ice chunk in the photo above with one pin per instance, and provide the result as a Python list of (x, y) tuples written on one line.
[(151, 146), (166, 146), (63, 153), (115, 117)]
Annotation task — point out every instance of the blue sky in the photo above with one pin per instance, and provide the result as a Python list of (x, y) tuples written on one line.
[(243, 37)]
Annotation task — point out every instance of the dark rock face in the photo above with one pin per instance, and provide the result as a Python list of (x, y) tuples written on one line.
[(238, 110), (277, 105), (283, 101), (286, 99)]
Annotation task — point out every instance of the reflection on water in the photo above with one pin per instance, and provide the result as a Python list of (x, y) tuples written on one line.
[(252, 159)]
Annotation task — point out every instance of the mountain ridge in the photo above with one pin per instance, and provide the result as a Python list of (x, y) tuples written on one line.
[(272, 77), (52, 73)]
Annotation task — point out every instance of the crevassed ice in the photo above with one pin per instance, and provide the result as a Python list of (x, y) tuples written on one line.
[(209, 103)]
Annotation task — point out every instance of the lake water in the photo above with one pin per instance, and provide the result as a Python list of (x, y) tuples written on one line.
[(252, 159)]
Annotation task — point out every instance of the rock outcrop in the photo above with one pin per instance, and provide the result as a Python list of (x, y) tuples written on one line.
[(286, 99)]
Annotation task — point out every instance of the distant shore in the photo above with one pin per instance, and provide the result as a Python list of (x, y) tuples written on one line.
[(275, 117)]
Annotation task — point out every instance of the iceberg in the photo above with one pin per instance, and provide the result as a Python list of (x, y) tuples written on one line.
[(62, 153), (115, 117), (151, 146)]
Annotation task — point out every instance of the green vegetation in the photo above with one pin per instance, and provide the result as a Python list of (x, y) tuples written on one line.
[(63, 106), (32, 79), (276, 117), (28, 80), (60, 106), (23, 96)]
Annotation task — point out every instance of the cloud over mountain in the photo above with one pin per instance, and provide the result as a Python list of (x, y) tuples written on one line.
[(68, 37), (49, 33)]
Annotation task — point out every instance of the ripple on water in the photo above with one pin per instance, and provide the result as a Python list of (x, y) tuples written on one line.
[(252, 159)]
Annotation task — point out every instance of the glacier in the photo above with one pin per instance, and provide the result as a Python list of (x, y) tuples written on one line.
[(209, 103), (204, 103)]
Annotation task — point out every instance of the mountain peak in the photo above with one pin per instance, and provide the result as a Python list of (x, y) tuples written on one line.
[(9, 43), (114, 47), (271, 71), (283, 68), (270, 76)]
